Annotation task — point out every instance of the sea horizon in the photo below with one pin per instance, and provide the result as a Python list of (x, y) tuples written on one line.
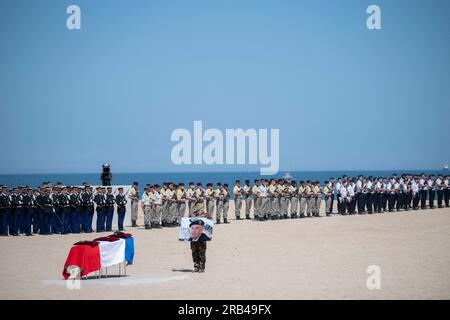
[(127, 178)]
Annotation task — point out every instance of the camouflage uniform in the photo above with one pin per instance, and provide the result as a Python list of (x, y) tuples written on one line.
[(199, 255)]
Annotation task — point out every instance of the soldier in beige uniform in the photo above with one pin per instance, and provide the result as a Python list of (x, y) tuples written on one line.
[(274, 203), (302, 198), (246, 190), (181, 202), (263, 194), (210, 200), (293, 197), (237, 193), (155, 217), (199, 209), (327, 190), (147, 206), (167, 205), (173, 212), (218, 196), (133, 195), (309, 198), (190, 196), (284, 199), (256, 200), (226, 202), (317, 198)]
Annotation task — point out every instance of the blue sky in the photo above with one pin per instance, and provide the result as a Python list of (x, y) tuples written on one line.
[(343, 97)]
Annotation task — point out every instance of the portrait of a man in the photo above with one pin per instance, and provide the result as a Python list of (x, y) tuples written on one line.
[(196, 231)]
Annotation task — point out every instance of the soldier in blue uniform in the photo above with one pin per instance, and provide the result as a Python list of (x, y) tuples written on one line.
[(39, 209), (91, 210), (109, 208), (35, 213), (15, 203), (87, 209), (447, 191), (47, 212), (66, 212), (4, 211), (100, 201), (121, 202), (27, 211), (57, 218), (21, 213), (75, 208)]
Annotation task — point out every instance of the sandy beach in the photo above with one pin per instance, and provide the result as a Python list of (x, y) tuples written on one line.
[(313, 258)]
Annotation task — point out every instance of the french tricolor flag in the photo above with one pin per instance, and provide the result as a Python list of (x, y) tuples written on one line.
[(103, 252)]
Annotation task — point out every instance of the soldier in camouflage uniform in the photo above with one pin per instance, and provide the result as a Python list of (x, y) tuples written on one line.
[(198, 248)]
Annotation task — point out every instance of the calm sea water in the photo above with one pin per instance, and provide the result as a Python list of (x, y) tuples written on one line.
[(34, 180)]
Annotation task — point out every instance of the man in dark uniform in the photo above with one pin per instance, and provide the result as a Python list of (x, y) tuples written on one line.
[(423, 191), (87, 208), (15, 202), (198, 246), (66, 212), (91, 210), (57, 219), (121, 201), (447, 191), (100, 201), (27, 210), (409, 195), (75, 207), (39, 209), (35, 212), (431, 191), (440, 190), (109, 208), (21, 213), (4, 211), (47, 212)]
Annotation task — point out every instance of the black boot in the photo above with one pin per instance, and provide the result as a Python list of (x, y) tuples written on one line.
[(133, 224), (225, 220), (147, 226), (247, 217), (218, 222)]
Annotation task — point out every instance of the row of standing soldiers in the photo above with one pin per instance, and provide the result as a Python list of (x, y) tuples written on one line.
[(59, 209), (280, 199), (165, 205), (377, 194)]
